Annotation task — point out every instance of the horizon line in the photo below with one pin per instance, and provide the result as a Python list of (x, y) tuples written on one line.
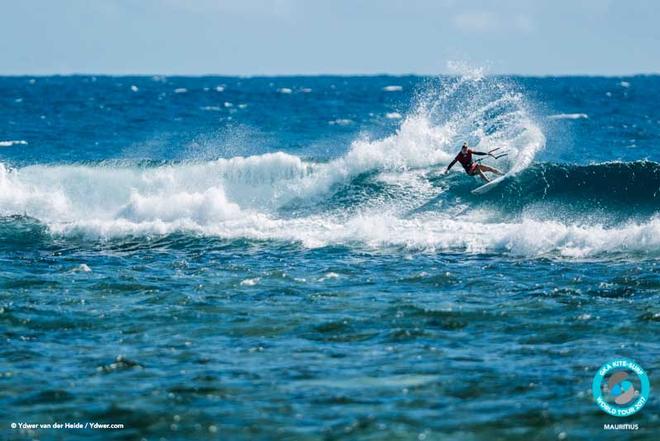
[(300, 75)]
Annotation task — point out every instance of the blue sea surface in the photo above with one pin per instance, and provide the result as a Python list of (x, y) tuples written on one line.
[(283, 258)]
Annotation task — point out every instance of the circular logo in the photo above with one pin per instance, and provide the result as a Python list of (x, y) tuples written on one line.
[(621, 387)]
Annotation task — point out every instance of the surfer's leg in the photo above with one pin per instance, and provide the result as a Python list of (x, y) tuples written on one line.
[(485, 168), (482, 175)]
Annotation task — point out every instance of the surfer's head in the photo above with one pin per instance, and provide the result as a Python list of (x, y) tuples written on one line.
[(464, 147)]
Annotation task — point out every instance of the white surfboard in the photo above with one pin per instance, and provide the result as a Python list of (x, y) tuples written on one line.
[(488, 186)]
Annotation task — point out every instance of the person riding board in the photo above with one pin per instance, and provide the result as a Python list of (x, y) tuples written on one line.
[(471, 167)]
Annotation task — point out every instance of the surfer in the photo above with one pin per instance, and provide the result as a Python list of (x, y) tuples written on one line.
[(471, 167)]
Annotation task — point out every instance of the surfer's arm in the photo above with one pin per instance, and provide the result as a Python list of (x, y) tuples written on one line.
[(451, 164), (479, 153)]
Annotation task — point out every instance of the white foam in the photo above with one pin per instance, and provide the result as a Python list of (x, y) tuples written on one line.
[(527, 237), (250, 282), (393, 115), (82, 268), (340, 122), (328, 276), (181, 90), (12, 142), (285, 90), (569, 116), (134, 88), (392, 88), (200, 207)]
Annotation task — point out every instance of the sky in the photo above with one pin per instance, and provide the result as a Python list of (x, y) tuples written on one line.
[(302, 37)]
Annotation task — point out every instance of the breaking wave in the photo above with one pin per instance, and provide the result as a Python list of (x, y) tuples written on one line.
[(379, 193)]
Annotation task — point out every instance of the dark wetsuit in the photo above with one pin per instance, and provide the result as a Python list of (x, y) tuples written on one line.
[(466, 161)]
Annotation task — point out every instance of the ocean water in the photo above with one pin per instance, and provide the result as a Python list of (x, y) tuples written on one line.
[(282, 258)]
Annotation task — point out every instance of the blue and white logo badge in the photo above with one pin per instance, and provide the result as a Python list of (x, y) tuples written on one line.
[(621, 387)]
